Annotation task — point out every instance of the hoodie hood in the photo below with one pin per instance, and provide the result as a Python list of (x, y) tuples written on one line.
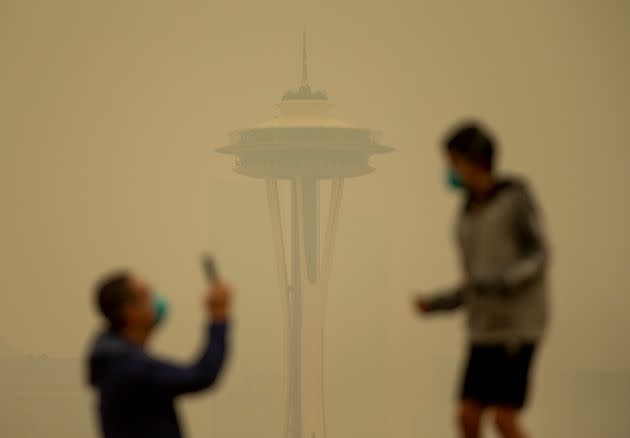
[(501, 185)]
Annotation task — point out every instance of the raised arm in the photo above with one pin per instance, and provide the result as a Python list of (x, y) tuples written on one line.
[(153, 376), (160, 377)]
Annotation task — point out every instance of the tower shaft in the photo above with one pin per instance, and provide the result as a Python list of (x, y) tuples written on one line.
[(305, 300)]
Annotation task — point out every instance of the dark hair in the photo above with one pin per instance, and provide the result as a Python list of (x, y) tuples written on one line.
[(112, 292), (472, 142)]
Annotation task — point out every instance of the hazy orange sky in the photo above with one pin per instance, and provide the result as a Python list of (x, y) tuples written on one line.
[(110, 113)]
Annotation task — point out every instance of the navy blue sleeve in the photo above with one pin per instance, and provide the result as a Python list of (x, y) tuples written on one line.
[(155, 376)]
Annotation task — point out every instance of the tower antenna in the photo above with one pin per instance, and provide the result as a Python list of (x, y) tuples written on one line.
[(304, 62)]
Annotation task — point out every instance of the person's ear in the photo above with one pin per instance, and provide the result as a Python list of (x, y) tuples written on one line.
[(126, 312)]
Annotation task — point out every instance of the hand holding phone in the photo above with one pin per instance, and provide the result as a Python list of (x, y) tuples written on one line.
[(209, 268), (220, 295)]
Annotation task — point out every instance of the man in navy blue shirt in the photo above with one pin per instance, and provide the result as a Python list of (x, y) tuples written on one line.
[(136, 391)]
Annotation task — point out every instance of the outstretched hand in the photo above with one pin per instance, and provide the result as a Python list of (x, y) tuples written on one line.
[(421, 305)]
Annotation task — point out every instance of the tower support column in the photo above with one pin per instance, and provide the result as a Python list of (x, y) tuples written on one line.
[(305, 290)]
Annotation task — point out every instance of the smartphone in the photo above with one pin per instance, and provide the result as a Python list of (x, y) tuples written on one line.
[(209, 267)]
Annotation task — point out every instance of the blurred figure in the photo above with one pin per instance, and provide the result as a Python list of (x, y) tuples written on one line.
[(504, 290), (137, 391)]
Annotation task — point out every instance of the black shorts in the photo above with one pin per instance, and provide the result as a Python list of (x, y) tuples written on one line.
[(497, 375)]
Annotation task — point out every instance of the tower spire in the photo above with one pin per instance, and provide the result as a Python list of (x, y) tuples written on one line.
[(304, 62), (304, 92)]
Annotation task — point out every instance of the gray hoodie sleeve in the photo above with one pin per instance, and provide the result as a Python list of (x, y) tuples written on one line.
[(446, 300), (530, 240)]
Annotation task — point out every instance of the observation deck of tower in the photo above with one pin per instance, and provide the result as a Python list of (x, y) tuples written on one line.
[(304, 139)]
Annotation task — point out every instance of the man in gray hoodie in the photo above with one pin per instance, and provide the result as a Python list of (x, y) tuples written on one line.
[(504, 260)]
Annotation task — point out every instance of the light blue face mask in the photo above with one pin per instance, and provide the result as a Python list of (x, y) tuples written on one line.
[(160, 308), (454, 180)]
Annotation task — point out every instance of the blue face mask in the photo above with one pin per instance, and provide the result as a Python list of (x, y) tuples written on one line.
[(160, 308), (454, 180)]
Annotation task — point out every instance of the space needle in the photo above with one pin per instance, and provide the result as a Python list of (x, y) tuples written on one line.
[(302, 147)]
